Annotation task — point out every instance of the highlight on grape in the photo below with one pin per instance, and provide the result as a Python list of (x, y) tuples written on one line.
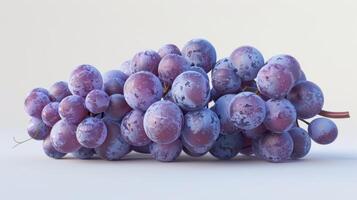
[(163, 102)]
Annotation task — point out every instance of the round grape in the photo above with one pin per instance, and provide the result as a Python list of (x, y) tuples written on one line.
[(113, 81), (323, 131), (171, 66), (227, 146), (166, 152), (118, 107), (307, 98), (302, 142), (191, 91), (199, 70), (281, 115), (275, 147), (97, 101), (224, 77), (50, 114), (145, 61), (168, 49), (194, 151), (142, 149), (37, 129), (35, 102), (132, 129), (142, 89), (163, 122), (72, 109), (247, 146), (201, 53), (255, 133), (125, 68), (50, 151), (248, 61), (288, 62), (83, 153), (247, 110), (63, 137), (59, 91), (84, 79), (91, 132)]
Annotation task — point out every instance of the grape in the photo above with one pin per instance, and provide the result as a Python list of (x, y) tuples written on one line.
[(118, 107), (163, 122), (307, 98), (132, 129), (281, 115), (191, 152), (84, 153), (59, 91), (323, 131), (302, 142), (199, 70), (50, 151), (97, 101), (50, 114), (227, 146), (248, 61), (142, 89), (200, 53), (145, 61), (125, 68), (63, 137), (142, 149), (221, 108), (275, 81), (247, 146), (224, 77), (302, 77), (247, 110), (91, 132), (35, 102), (113, 81), (169, 49), (214, 95), (275, 147), (166, 152), (171, 66), (72, 109), (288, 62), (84, 79), (43, 90), (191, 91), (114, 147), (201, 129), (255, 133), (37, 129)]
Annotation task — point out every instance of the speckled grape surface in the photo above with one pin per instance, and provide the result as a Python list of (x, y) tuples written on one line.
[(166, 152), (323, 130), (113, 81), (147, 60), (37, 129), (63, 137), (91, 132), (50, 114), (132, 129), (225, 80), (84, 79), (302, 142), (281, 115), (72, 109), (97, 101), (227, 146)]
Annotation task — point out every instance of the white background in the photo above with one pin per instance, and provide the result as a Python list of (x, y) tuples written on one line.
[(41, 41)]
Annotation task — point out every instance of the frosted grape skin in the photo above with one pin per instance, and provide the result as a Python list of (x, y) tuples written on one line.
[(113, 81), (35, 102), (281, 115), (97, 101), (91, 132), (275, 147), (125, 68), (168, 49), (117, 108), (224, 77), (59, 91), (323, 130), (37, 129), (288, 62), (84, 79), (50, 151), (166, 152), (50, 114), (302, 142), (63, 137), (72, 109), (132, 129), (147, 60), (171, 66)]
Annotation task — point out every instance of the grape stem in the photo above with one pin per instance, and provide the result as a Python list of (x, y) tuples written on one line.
[(306, 122), (330, 114), (19, 142)]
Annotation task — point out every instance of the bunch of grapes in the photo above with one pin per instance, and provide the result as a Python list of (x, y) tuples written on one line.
[(162, 102)]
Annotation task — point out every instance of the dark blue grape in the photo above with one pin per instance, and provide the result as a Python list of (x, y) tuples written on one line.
[(83, 153), (227, 146), (302, 142)]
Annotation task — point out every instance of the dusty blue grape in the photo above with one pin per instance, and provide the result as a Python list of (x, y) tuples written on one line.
[(302, 142), (281, 115), (84, 153), (323, 130), (227, 146)]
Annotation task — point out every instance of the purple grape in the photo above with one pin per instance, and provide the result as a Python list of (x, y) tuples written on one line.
[(84, 153), (227, 146), (171, 66), (97, 101), (288, 62), (72, 109), (91, 132), (255, 133), (59, 91), (302, 77), (307, 98), (281, 115), (50, 114), (118, 107), (201, 53), (142, 149), (125, 68), (84, 79), (275, 147), (214, 95), (248, 61), (63, 137), (323, 130), (114, 147), (275, 81), (132, 129), (163, 122), (224, 77), (168, 49), (247, 110), (43, 90), (145, 61), (113, 81), (247, 146), (201, 129), (142, 89), (191, 151), (35, 102), (37, 129), (191, 91), (302, 142), (50, 151), (221, 108), (199, 70), (166, 152)]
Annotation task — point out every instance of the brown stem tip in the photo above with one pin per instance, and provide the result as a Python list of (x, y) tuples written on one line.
[(330, 114)]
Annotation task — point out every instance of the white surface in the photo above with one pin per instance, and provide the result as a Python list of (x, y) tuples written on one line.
[(42, 41)]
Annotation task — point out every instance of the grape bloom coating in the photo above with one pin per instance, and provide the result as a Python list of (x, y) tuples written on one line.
[(164, 102)]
